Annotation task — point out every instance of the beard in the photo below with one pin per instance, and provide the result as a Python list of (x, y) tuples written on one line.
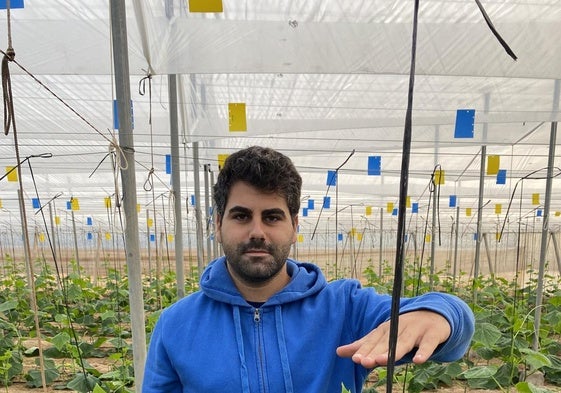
[(256, 269)]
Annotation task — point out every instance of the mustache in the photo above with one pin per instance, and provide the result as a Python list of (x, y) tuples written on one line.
[(256, 245)]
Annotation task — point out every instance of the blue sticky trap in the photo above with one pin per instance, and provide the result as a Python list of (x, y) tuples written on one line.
[(326, 202), (374, 165), (501, 176), (405, 237), (89, 236), (89, 221), (152, 237), (311, 204), (13, 4), (394, 211), (465, 123), (168, 164), (340, 237), (331, 178), (35, 202), (415, 207), (452, 202), (475, 236), (68, 205), (304, 212), (539, 213), (192, 200)]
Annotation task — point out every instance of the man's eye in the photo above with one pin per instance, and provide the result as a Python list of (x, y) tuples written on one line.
[(272, 219), (240, 217)]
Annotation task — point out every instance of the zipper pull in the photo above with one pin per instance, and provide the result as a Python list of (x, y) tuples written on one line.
[(256, 316)]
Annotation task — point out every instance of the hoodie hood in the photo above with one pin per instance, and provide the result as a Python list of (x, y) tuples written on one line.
[(306, 280)]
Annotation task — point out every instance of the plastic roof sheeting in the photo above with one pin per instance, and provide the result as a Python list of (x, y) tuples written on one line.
[(320, 79)]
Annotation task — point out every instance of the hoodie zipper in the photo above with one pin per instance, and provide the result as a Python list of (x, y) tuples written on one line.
[(257, 321)]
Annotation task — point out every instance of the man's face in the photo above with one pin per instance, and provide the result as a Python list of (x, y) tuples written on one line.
[(256, 233)]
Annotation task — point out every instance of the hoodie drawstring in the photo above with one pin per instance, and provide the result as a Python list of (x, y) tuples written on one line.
[(241, 353), (283, 352)]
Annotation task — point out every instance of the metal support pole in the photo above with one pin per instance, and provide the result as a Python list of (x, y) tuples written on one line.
[(545, 222), (456, 238), (128, 179), (198, 218), (207, 210), (556, 250), (176, 185)]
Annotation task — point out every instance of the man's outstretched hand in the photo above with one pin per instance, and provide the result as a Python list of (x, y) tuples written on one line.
[(423, 330)]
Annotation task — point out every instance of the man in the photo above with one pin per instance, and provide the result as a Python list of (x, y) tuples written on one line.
[(265, 323)]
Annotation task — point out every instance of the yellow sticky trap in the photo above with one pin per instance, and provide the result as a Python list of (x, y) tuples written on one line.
[(408, 202), (222, 160), (536, 199), (353, 232), (498, 208), (205, 6), (42, 237), (170, 237), (557, 214), (497, 236), (57, 220), (300, 238), (107, 202), (368, 210), (138, 207), (74, 204), (12, 173), (107, 236), (493, 163), (149, 222), (389, 207), (359, 237), (0, 203), (468, 212), (439, 177), (427, 238), (237, 117)]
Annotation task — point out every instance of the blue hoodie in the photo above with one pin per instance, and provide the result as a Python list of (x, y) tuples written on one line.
[(214, 341)]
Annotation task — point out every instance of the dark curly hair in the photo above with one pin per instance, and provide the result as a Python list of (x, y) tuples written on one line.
[(263, 168)]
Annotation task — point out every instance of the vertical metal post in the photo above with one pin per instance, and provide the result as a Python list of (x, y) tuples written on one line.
[(556, 250), (545, 222), (456, 237), (176, 185), (207, 210), (76, 252), (198, 218), (381, 241), (128, 179), (479, 213)]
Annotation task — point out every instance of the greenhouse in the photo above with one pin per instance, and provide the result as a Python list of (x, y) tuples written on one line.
[(425, 133)]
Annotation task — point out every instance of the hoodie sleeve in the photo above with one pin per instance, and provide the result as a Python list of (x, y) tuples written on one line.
[(159, 374), (370, 309), (457, 313)]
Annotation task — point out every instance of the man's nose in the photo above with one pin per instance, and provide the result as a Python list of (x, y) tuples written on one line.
[(257, 230)]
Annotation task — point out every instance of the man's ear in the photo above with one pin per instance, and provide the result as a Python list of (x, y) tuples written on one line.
[(295, 226), (218, 228)]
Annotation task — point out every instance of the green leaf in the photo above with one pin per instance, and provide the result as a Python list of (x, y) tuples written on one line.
[(344, 389), (60, 340), (82, 383), (486, 334), (479, 372), (535, 359), (98, 389), (527, 387), (9, 305)]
